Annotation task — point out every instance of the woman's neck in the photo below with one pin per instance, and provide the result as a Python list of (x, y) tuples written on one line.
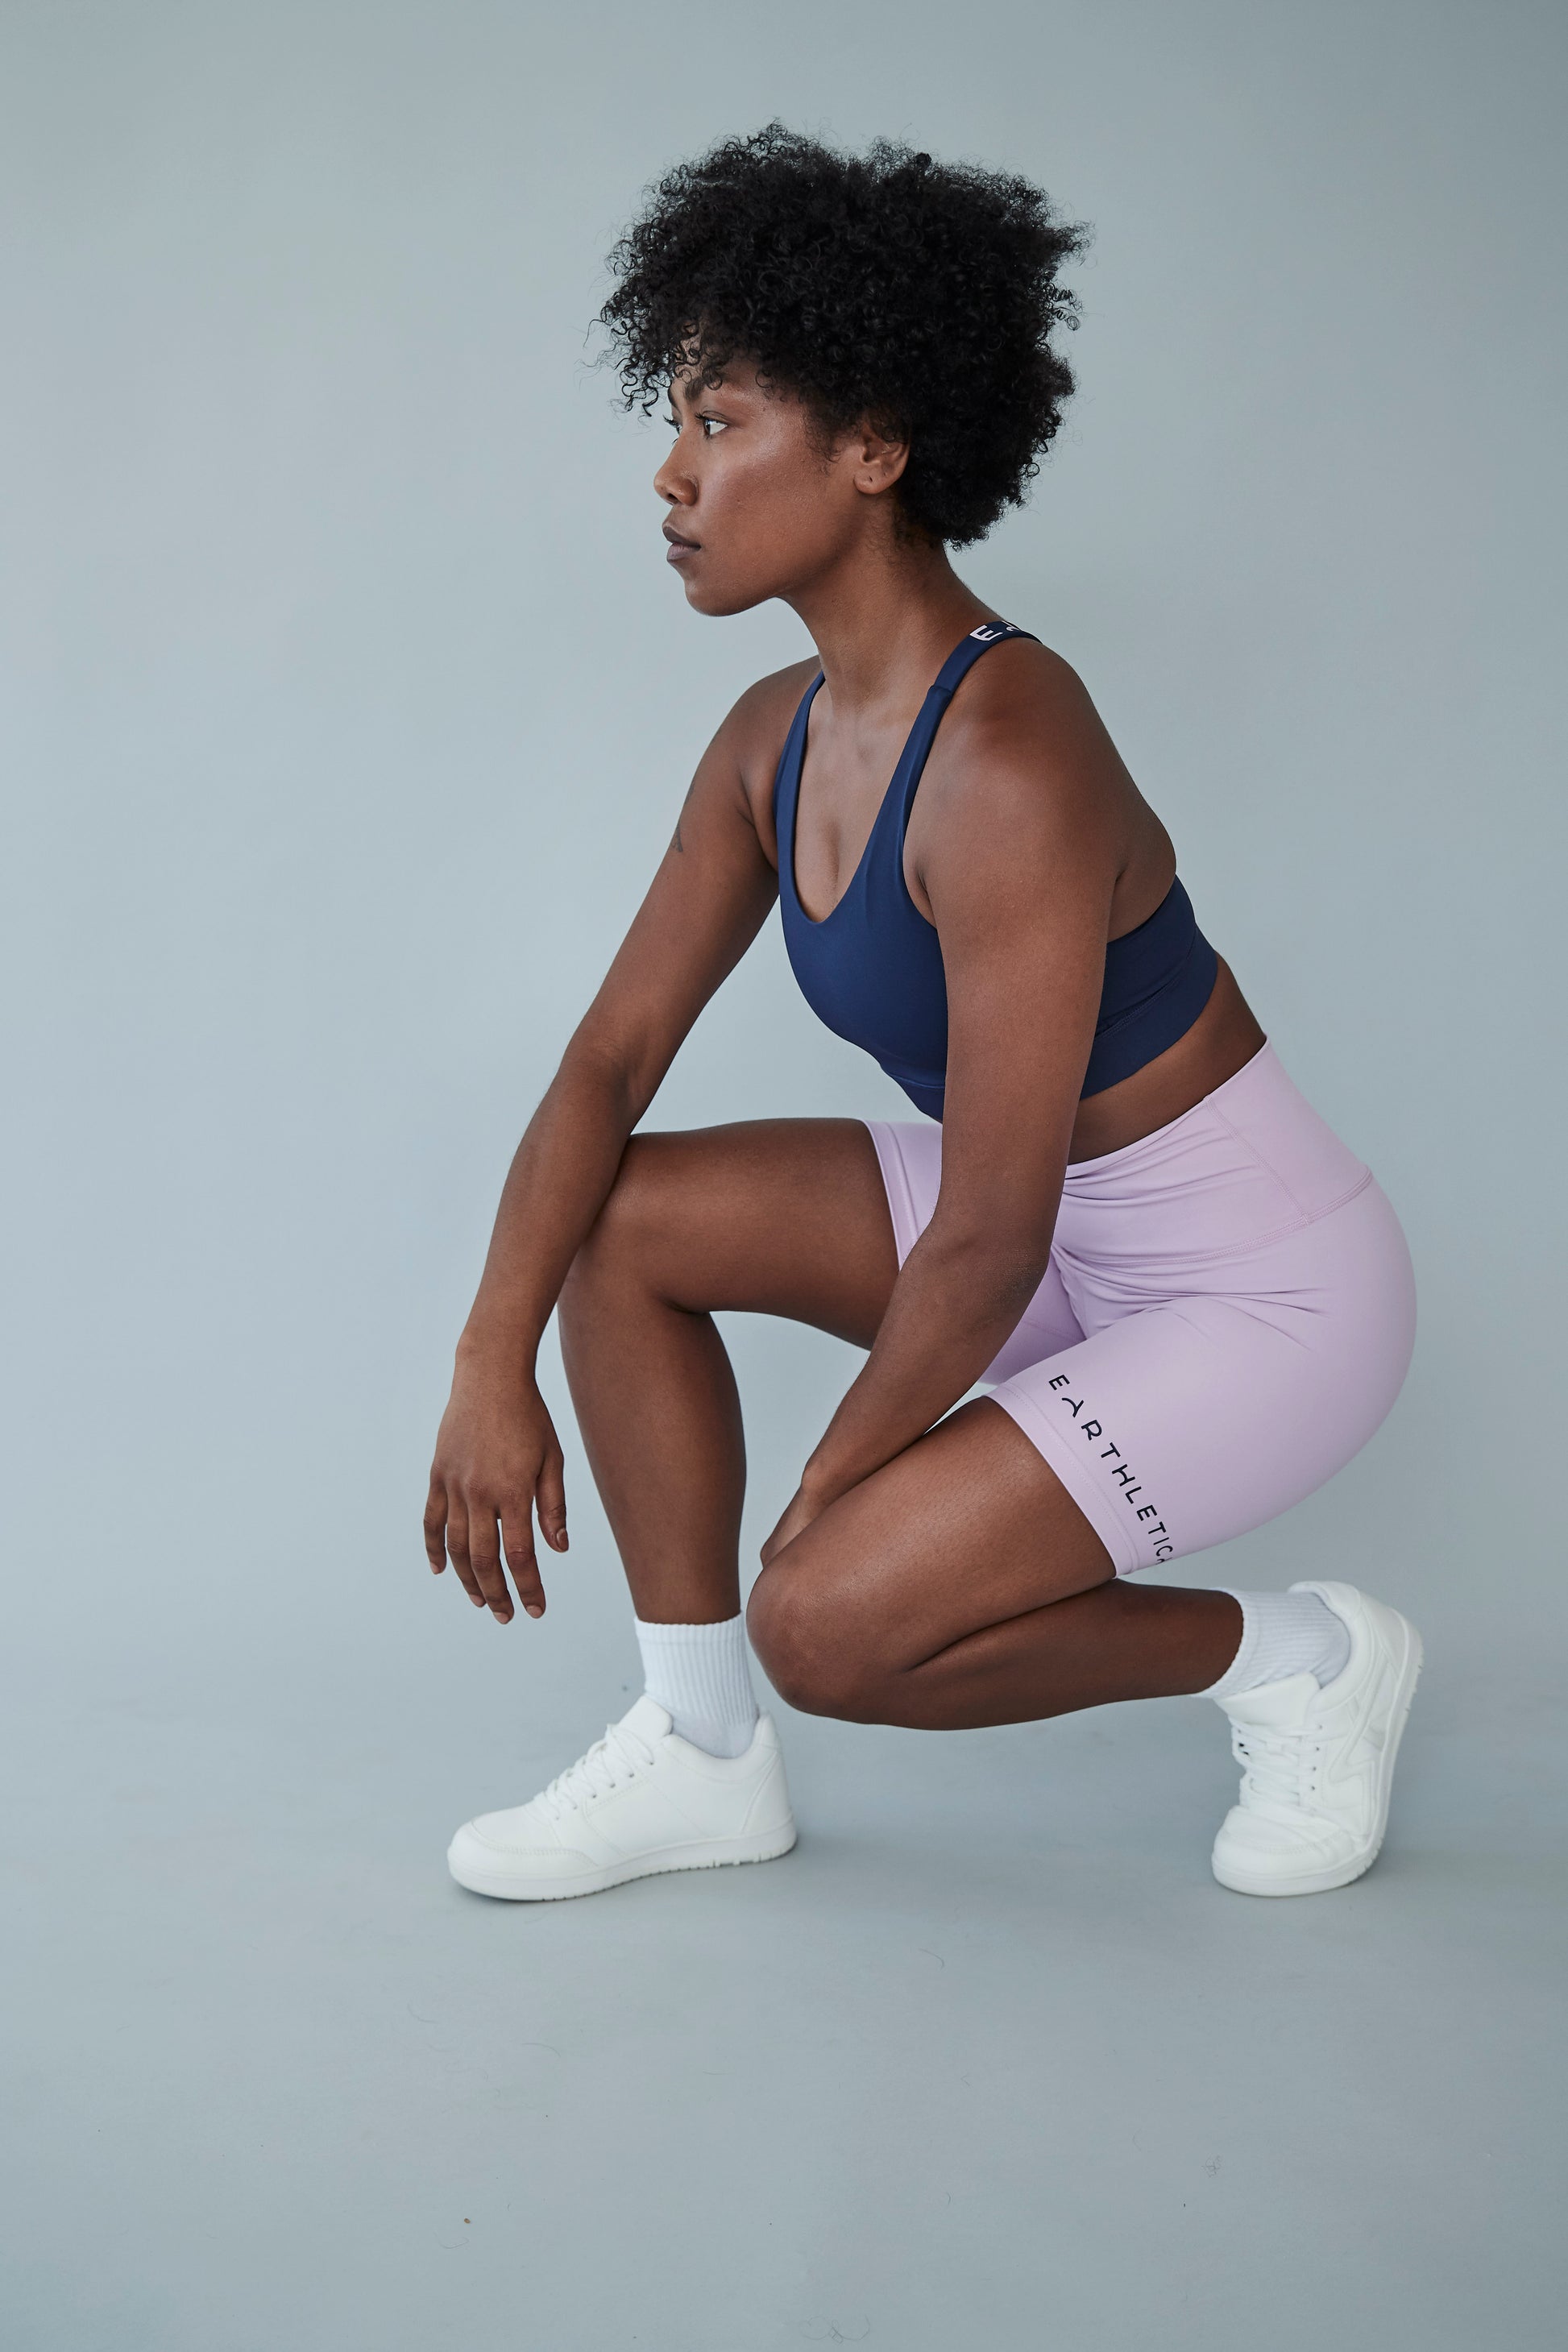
[(884, 619)]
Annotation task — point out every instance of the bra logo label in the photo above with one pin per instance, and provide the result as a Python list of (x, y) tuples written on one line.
[(989, 631)]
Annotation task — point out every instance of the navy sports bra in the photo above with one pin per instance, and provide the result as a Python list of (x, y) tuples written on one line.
[(871, 969)]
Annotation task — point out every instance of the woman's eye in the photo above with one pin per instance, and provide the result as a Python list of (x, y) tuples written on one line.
[(710, 424)]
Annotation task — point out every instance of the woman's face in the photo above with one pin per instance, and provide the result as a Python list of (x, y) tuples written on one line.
[(758, 506)]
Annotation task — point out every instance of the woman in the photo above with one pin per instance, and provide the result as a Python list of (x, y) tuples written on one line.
[(1192, 1302)]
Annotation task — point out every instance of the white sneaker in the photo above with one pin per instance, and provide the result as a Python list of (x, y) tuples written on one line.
[(641, 1801), (1318, 1763)]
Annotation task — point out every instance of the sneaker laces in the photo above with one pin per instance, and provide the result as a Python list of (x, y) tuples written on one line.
[(1275, 1764), (620, 1755)]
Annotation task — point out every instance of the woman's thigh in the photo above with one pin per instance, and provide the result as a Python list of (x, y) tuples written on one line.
[(966, 1530), (763, 1216), (1184, 1425)]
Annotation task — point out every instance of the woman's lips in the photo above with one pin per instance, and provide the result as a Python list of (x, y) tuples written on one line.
[(680, 549)]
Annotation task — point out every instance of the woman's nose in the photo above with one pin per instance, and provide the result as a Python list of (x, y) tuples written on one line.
[(675, 486)]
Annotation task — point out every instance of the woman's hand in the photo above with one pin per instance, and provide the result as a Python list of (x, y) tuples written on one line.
[(498, 1459)]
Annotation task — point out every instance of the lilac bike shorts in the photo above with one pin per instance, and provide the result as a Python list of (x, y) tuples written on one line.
[(1227, 1315)]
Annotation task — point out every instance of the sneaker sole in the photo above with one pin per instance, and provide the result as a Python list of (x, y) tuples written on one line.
[(710, 1855), (1344, 1874)]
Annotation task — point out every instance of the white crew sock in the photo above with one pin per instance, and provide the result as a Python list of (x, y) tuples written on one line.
[(699, 1673), (1283, 1633)]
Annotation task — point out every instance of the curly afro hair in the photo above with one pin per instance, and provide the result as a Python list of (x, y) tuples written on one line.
[(922, 294)]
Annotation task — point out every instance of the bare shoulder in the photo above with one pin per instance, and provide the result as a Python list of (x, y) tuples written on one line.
[(1022, 698), (1023, 746), (753, 736), (757, 720)]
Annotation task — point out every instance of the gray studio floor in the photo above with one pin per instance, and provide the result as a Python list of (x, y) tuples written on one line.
[(987, 2060)]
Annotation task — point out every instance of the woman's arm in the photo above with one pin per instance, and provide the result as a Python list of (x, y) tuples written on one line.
[(497, 1456), (1021, 859)]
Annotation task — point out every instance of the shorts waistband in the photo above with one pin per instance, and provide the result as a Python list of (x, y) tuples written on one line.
[(1258, 1117)]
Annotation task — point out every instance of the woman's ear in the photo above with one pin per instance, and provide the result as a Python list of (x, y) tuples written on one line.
[(878, 456)]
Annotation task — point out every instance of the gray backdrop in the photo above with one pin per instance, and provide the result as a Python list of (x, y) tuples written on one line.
[(347, 707)]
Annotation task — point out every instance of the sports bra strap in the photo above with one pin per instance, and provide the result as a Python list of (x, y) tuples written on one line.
[(967, 652), (957, 666)]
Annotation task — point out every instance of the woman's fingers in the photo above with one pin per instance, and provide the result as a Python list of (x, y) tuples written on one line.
[(497, 1457), (458, 1549), (550, 1499), (484, 1559), (436, 1527), (460, 1526), (466, 1533), (521, 1557)]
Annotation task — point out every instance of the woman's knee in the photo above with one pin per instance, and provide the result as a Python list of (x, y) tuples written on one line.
[(808, 1648)]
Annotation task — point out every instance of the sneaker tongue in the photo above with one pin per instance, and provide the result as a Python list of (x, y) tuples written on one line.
[(646, 1718), (1283, 1705)]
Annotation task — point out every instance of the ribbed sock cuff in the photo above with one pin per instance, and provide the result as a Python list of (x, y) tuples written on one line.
[(700, 1673), (1283, 1633)]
